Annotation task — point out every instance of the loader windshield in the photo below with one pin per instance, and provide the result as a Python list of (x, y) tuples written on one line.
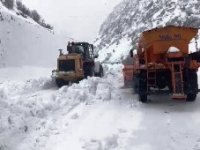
[(85, 49), (78, 49)]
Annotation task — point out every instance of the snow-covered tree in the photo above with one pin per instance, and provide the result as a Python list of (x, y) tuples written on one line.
[(8, 3), (23, 8), (35, 15)]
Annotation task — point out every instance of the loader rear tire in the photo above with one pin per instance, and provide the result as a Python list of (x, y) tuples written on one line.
[(88, 72)]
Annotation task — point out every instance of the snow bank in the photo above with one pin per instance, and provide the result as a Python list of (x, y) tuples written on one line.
[(17, 87), (31, 110), (96, 125), (24, 73)]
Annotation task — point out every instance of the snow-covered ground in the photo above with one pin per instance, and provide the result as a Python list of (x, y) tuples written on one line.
[(96, 114)]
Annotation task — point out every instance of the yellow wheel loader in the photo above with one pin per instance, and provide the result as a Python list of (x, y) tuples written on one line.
[(77, 64)]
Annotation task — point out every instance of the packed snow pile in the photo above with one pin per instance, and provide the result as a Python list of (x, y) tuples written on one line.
[(24, 42), (32, 110), (130, 18)]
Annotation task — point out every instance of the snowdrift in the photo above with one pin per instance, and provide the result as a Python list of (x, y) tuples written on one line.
[(29, 107)]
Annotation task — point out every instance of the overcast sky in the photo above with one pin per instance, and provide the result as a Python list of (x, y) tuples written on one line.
[(79, 19)]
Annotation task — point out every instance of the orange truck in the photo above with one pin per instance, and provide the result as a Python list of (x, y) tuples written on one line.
[(163, 63)]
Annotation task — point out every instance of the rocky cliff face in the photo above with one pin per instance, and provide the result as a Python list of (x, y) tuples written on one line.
[(131, 17)]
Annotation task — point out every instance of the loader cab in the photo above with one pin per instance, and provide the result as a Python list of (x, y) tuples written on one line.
[(83, 48)]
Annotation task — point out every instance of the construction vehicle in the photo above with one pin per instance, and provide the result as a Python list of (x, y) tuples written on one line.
[(77, 64), (162, 63)]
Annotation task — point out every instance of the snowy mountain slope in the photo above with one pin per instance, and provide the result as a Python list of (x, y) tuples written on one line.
[(24, 42), (96, 114), (131, 17)]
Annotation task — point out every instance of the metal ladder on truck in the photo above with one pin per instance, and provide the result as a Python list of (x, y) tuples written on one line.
[(177, 81), (151, 77)]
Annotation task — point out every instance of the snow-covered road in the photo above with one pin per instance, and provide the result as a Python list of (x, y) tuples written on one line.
[(96, 114)]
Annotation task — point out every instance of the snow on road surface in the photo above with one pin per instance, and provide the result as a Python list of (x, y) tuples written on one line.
[(96, 114)]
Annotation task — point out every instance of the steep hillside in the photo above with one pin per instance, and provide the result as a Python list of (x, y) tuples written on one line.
[(24, 42), (124, 25)]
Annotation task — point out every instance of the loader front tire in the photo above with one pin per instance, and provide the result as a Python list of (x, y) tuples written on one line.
[(61, 82)]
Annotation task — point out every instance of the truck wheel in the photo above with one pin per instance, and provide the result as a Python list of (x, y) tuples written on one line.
[(142, 86), (191, 97), (143, 98), (61, 82), (136, 83), (190, 86)]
